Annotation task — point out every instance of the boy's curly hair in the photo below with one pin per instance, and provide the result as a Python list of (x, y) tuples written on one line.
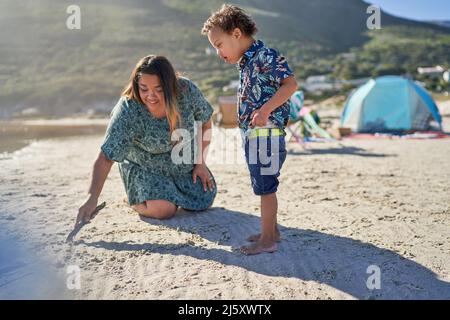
[(228, 18)]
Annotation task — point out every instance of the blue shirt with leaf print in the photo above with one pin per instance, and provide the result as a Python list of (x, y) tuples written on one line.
[(261, 70)]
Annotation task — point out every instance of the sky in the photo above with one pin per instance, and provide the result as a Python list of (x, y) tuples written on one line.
[(416, 9)]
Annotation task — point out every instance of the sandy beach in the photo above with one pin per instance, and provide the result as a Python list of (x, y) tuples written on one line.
[(345, 208)]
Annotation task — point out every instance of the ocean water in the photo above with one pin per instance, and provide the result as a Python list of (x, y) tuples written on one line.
[(16, 135), (25, 275)]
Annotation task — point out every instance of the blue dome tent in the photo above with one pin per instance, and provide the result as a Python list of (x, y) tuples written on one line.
[(389, 104)]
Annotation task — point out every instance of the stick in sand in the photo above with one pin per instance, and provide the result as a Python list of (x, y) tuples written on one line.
[(82, 223)]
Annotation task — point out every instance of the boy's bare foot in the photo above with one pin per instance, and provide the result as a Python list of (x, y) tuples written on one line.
[(258, 248), (255, 237)]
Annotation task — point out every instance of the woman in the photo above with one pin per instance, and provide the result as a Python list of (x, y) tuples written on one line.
[(141, 136)]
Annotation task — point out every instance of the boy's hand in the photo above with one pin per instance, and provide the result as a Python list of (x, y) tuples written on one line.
[(259, 118)]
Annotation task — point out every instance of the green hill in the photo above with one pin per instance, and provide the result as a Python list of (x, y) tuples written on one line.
[(44, 65)]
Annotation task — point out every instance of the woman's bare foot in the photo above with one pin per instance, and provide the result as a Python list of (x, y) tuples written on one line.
[(258, 248), (256, 237)]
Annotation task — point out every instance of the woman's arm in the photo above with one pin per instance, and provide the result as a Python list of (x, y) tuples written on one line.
[(204, 141), (100, 172), (200, 169)]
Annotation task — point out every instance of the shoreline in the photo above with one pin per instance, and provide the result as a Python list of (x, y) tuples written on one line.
[(17, 134)]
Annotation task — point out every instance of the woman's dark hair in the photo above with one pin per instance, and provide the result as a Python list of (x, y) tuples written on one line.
[(161, 67)]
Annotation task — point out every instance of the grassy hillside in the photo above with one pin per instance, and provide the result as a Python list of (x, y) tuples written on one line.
[(44, 65)]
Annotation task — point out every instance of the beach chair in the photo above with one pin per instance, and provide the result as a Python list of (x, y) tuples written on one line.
[(227, 116), (303, 122)]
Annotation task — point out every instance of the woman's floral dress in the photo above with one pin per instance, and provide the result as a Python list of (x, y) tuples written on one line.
[(143, 147)]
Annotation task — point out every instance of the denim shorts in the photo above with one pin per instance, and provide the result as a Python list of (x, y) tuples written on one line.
[(265, 157)]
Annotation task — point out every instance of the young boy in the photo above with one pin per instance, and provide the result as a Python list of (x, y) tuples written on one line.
[(266, 84)]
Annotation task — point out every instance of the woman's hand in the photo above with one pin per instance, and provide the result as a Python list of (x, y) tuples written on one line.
[(86, 210), (102, 166), (201, 171)]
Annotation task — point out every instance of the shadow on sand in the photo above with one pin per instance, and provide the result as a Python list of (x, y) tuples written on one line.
[(309, 255), (341, 150)]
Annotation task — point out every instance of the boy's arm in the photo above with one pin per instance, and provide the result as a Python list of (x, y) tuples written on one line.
[(288, 87)]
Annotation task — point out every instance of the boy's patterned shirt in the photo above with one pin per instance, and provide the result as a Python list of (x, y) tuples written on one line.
[(261, 70)]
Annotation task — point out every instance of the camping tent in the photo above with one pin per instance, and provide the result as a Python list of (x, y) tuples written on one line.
[(390, 103)]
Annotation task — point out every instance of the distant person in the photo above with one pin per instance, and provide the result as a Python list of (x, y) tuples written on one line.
[(155, 103), (266, 84)]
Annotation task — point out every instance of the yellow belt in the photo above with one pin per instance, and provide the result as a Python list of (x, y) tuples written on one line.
[(266, 132)]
